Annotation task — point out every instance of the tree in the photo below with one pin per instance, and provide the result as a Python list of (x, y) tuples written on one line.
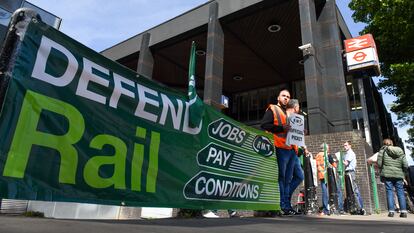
[(391, 22)]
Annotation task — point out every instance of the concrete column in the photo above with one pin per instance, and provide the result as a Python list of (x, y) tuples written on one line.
[(145, 67), (213, 83), (145, 61), (374, 119), (333, 78), (367, 129), (318, 122)]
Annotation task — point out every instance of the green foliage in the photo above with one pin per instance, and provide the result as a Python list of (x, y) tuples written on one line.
[(391, 22)]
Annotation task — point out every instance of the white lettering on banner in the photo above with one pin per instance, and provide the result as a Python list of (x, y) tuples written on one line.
[(197, 187), (88, 76), (148, 102), (226, 188), (175, 115), (119, 90), (219, 156), (228, 131), (39, 69), (143, 100), (263, 146)]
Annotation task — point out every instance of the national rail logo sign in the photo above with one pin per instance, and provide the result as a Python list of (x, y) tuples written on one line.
[(361, 54), (360, 42)]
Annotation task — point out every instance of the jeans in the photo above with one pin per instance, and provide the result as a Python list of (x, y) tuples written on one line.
[(296, 173), (324, 197), (340, 197), (398, 184), (285, 161)]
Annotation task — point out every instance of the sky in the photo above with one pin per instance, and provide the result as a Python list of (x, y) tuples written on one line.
[(100, 24)]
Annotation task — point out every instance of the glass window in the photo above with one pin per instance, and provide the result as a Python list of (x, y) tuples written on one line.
[(249, 107)]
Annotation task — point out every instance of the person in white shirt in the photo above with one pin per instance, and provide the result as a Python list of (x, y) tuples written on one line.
[(350, 166)]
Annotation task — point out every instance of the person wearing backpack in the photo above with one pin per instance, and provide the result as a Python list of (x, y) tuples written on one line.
[(393, 164)]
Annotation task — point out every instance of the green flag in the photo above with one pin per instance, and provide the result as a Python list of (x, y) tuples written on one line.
[(196, 104), (326, 162)]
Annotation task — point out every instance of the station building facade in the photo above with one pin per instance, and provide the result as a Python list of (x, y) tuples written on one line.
[(248, 50)]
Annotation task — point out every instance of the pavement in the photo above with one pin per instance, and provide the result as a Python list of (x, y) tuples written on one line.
[(295, 224)]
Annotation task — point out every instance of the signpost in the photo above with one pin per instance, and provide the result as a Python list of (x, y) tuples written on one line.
[(361, 54)]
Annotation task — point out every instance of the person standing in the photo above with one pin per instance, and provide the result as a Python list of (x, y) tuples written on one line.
[(334, 163), (350, 163), (393, 164), (296, 173), (321, 167), (310, 174), (275, 121)]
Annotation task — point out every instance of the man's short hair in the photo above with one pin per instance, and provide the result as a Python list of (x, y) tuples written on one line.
[(322, 146), (283, 89), (292, 103), (387, 142)]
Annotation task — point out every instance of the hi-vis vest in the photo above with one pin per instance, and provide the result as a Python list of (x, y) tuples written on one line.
[(279, 119)]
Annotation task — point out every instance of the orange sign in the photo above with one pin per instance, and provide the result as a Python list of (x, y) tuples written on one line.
[(360, 42), (361, 54)]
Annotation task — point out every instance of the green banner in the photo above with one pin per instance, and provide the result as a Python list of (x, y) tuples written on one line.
[(76, 126)]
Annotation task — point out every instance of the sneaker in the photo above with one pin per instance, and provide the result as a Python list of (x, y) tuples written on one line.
[(390, 214), (289, 212), (294, 212), (362, 212), (232, 214), (403, 215), (210, 214)]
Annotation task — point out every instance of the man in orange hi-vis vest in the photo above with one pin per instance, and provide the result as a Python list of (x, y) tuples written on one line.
[(275, 121)]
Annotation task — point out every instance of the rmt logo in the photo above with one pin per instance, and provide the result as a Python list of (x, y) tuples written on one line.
[(262, 145), (296, 120)]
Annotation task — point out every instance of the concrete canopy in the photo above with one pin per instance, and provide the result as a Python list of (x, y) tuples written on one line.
[(262, 58)]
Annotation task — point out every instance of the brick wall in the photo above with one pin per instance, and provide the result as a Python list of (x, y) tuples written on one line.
[(362, 151)]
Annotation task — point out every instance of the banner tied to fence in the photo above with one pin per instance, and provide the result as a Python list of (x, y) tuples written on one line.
[(78, 127)]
